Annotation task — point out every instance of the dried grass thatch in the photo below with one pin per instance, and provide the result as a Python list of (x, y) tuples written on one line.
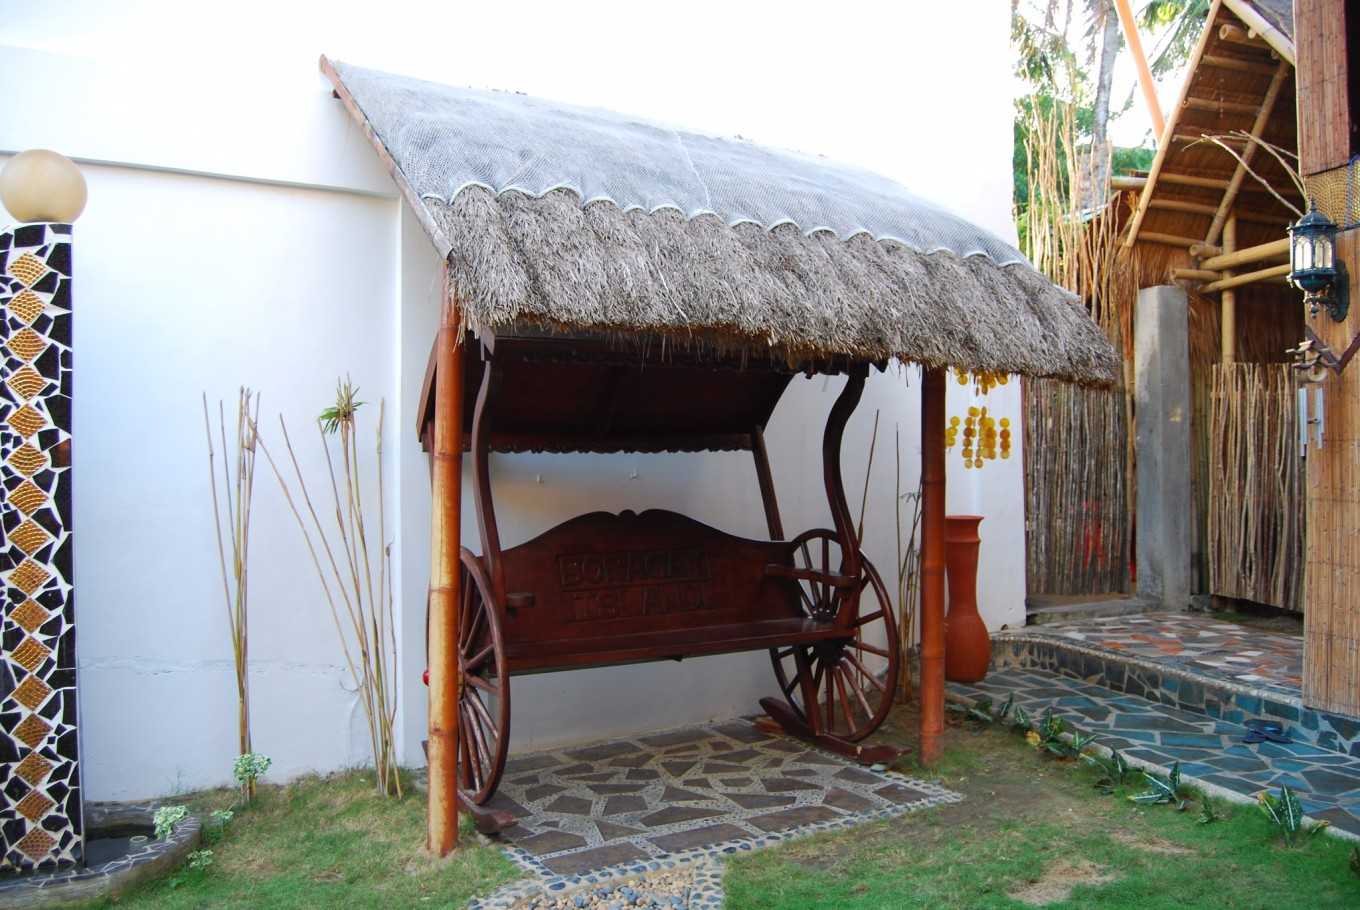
[(553, 263)]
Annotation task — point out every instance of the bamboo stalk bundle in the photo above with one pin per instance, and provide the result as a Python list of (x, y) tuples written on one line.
[(1255, 523), (1077, 528)]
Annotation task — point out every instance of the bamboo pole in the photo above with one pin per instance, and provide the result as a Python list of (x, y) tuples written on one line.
[(1140, 60), (1236, 281), (1257, 130), (1226, 260), (446, 493), (932, 563), (1228, 302)]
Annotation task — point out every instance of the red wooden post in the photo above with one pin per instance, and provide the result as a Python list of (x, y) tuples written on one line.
[(932, 563), (445, 678)]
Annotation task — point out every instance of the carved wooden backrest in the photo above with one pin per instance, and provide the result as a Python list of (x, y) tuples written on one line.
[(601, 575)]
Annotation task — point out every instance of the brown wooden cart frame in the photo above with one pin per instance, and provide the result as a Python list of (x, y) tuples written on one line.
[(603, 589)]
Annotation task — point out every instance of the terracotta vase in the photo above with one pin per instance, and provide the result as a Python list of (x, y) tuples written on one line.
[(968, 647)]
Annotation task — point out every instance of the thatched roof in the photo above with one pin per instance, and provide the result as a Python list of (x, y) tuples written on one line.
[(585, 221), (1228, 87)]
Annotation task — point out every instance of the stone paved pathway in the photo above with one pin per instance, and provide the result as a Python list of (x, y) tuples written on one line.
[(1209, 749), (605, 814), (1197, 642)]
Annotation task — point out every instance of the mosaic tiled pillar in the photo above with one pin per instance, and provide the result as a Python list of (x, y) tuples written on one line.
[(40, 808)]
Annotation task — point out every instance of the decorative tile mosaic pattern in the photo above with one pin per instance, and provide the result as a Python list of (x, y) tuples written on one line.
[(1253, 657), (1209, 749), (40, 815), (1159, 673), (601, 813)]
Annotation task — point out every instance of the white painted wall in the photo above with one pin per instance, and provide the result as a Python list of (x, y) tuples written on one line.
[(240, 231)]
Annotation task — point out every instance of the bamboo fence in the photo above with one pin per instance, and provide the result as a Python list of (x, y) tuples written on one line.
[(1255, 526)]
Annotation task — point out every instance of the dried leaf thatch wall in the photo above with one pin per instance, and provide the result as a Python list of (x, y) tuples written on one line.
[(1255, 523)]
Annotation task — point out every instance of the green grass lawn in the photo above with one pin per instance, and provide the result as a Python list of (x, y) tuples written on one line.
[(1033, 831), (331, 843)]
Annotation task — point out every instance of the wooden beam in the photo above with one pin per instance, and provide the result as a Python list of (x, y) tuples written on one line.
[(1167, 239), (1203, 250), (1195, 275), (1219, 107), (1233, 64), (932, 563), (1227, 304), (1127, 183), (441, 243), (1250, 254), (1230, 194), (1258, 25), (1164, 135), (1235, 34), (1203, 208), (445, 569), (1236, 281), (1208, 183), (1135, 43)]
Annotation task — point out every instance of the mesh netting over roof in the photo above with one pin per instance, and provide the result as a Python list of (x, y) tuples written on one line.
[(447, 139)]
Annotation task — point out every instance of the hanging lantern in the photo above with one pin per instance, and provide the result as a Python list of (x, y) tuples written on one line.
[(1313, 266)]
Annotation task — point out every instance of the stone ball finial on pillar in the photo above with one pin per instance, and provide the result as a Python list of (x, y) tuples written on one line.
[(42, 185)]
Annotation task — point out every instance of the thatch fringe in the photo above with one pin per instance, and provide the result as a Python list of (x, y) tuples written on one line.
[(552, 263)]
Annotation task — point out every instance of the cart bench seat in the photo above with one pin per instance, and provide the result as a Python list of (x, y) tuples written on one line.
[(671, 645)]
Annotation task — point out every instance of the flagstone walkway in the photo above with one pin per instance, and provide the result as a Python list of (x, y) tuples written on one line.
[(593, 818)]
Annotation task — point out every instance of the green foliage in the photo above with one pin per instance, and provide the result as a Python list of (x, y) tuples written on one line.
[(1131, 160), (250, 767), (167, 818), (1355, 861), (1208, 812), (200, 859), (343, 411), (1185, 20), (1286, 814), (1114, 769), (1162, 789)]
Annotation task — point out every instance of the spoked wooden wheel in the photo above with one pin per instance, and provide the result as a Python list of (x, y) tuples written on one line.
[(484, 696), (853, 677)]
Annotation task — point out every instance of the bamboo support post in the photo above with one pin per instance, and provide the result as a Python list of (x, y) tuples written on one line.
[(1195, 275), (1234, 65), (932, 563), (1135, 44), (1236, 281), (1168, 239), (1281, 73), (1225, 260), (1228, 302), (1234, 34), (445, 679)]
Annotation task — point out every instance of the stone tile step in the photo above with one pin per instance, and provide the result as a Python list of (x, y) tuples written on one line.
[(1046, 611), (1177, 683), (1209, 749)]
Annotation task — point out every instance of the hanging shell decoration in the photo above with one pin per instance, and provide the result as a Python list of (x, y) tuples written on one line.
[(984, 436)]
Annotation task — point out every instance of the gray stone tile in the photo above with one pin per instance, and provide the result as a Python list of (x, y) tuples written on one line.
[(597, 858), (699, 837), (793, 818)]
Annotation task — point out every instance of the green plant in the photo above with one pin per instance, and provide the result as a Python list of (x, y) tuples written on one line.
[(239, 494), (1020, 720), (1355, 861), (1114, 769), (167, 818), (1286, 813), (1162, 789), (200, 859), (354, 568), (247, 769), (1056, 738), (1208, 812)]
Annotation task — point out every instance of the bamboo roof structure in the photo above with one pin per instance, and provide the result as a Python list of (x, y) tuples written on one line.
[(547, 226), (1240, 81)]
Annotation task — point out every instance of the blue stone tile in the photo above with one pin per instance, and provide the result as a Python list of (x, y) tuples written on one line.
[(1198, 740), (1248, 703), (1309, 720), (1282, 710)]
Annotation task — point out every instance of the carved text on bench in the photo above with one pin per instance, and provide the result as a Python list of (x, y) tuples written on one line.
[(603, 586)]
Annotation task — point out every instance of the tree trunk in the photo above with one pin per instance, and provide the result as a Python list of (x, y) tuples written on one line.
[(1098, 173)]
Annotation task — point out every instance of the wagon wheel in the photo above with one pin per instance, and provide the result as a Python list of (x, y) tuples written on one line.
[(484, 690), (854, 677)]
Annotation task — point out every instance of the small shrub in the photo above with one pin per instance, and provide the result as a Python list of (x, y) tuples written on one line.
[(167, 818), (1208, 812), (249, 768), (1160, 790), (1355, 861), (1114, 770), (200, 859), (1285, 812)]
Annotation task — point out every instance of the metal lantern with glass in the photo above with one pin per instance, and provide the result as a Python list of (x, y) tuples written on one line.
[(1313, 266)]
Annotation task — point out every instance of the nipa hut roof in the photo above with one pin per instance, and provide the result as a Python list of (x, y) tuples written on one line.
[(581, 220)]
